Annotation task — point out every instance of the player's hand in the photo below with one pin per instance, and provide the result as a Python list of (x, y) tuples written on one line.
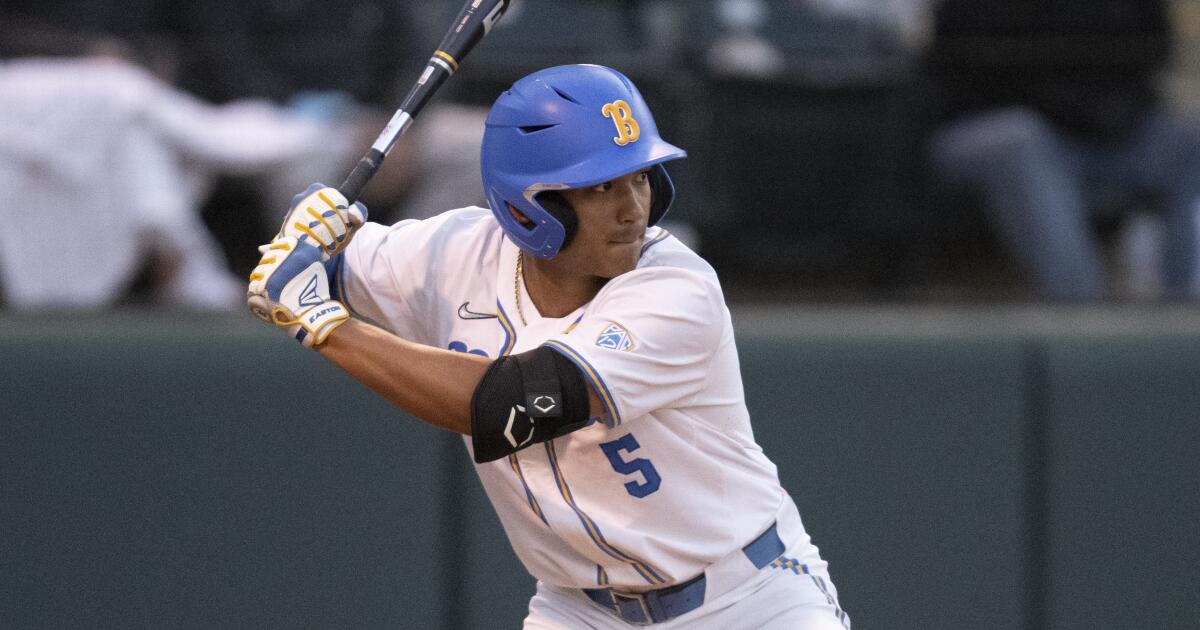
[(320, 216), (290, 289)]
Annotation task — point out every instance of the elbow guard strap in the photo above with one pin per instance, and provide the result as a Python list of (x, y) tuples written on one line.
[(525, 399)]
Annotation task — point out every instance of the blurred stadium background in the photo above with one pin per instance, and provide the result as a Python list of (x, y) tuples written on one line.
[(966, 453)]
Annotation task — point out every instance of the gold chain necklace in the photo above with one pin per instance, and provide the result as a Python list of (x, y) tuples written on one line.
[(520, 278)]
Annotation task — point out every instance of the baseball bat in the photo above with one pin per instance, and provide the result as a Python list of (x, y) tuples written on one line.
[(474, 21)]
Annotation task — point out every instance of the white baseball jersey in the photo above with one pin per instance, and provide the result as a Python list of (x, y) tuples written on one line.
[(671, 479)]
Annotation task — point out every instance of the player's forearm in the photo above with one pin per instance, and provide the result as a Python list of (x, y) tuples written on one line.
[(432, 384)]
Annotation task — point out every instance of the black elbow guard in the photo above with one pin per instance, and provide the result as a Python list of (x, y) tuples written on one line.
[(525, 399)]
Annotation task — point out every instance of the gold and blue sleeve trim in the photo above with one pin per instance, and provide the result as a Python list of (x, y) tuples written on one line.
[(593, 378), (644, 569)]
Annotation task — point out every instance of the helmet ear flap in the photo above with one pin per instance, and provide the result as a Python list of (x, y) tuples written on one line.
[(662, 193), (557, 205)]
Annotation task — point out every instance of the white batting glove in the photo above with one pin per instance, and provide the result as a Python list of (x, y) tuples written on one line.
[(290, 288), (321, 216)]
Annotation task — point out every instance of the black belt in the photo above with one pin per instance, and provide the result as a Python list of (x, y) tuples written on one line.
[(644, 608)]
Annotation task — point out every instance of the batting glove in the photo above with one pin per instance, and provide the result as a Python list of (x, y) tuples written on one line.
[(290, 288), (321, 216)]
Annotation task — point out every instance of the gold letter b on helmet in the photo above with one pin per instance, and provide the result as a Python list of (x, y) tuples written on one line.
[(622, 116)]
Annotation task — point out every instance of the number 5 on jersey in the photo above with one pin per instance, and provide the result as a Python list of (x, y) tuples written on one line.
[(629, 444)]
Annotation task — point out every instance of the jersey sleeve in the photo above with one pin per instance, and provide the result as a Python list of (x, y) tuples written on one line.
[(647, 340), (392, 275)]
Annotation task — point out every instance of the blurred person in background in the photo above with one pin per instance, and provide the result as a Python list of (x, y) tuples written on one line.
[(97, 143), (1054, 120), (350, 61), (193, 114)]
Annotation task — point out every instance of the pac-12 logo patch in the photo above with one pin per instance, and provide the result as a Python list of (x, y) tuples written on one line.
[(615, 337), (622, 116)]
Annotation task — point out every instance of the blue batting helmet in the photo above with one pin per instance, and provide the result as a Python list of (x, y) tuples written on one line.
[(567, 127)]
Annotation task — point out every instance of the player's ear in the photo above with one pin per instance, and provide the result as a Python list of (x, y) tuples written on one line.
[(520, 216)]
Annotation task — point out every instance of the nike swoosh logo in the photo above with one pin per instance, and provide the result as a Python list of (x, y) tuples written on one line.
[(466, 313)]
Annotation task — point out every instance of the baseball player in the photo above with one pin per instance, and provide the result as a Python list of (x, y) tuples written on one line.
[(586, 356)]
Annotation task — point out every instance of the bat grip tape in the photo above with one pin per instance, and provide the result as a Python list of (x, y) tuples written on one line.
[(362, 173)]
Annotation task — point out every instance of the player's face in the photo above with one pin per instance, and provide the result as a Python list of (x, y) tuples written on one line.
[(612, 226)]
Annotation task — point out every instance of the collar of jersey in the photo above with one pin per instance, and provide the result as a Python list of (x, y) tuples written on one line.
[(504, 291)]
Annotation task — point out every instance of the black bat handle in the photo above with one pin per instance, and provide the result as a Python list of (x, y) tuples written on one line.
[(362, 173), (473, 22), (418, 96)]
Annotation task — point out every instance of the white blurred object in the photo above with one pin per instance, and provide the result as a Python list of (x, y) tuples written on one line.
[(100, 160), (747, 55), (1195, 288), (907, 22), (686, 234), (741, 50), (448, 136), (742, 15), (1139, 257)]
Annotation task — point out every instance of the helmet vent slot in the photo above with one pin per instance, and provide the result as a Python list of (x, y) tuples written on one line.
[(565, 96), (534, 128)]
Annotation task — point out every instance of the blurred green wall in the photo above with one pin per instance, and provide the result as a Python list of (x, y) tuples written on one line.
[(986, 469)]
